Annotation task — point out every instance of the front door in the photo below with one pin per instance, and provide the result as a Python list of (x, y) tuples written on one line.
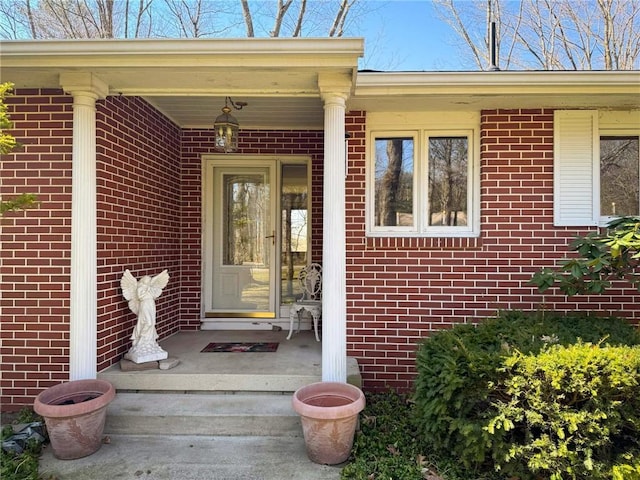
[(244, 240), (255, 238)]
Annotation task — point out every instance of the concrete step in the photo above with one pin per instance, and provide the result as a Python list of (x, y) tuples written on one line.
[(238, 379), (184, 457), (239, 414), (164, 380)]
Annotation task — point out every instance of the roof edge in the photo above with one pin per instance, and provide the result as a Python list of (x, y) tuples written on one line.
[(196, 46), (372, 80)]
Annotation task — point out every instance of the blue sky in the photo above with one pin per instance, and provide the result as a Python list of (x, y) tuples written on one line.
[(405, 35)]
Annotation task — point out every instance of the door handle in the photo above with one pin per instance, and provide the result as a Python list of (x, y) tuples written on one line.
[(272, 237)]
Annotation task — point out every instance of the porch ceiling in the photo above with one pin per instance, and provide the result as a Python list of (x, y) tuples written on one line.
[(282, 112)]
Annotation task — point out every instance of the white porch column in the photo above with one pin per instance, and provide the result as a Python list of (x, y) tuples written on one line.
[(335, 91), (86, 89)]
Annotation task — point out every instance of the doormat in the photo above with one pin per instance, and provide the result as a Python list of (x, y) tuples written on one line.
[(241, 347)]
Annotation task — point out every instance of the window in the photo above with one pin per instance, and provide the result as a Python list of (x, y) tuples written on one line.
[(394, 182), (619, 175), (596, 166), (448, 167), (423, 183)]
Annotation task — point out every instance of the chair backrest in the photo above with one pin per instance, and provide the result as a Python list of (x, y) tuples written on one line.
[(310, 278)]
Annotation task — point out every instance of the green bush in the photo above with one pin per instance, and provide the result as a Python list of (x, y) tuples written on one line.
[(457, 369), (23, 465), (386, 446), (573, 413)]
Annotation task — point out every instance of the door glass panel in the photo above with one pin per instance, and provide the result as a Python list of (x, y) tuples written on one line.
[(242, 263), (295, 233)]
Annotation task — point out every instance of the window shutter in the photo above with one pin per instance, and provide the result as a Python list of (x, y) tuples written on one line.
[(576, 174)]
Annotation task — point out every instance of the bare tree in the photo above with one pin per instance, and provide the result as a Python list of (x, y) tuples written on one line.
[(549, 34), (195, 18), (76, 19), (280, 13), (303, 8), (141, 17), (323, 17), (40, 19), (248, 19), (337, 29)]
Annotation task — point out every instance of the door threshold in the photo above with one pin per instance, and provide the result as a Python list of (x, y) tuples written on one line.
[(251, 324)]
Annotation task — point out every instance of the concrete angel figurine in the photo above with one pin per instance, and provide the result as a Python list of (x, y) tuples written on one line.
[(142, 296)]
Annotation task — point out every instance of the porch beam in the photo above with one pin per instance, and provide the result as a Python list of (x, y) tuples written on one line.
[(334, 91), (86, 89)]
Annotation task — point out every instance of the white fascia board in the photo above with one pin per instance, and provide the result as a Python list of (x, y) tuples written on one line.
[(479, 83), (339, 52)]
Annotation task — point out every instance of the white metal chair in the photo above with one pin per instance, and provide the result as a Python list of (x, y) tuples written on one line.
[(310, 279)]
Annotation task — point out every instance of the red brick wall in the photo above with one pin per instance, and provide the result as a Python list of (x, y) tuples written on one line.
[(139, 221), (196, 143), (400, 290), (149, 218), (35, 250), (139, 217)]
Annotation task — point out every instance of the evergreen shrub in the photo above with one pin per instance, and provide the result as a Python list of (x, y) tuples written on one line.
[(573, 412), (461, 380)]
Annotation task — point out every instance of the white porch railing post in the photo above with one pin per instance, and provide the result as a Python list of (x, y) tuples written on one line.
[(334, 91), (86, 89)]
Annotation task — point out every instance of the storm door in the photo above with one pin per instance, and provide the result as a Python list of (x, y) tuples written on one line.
[(242, 256), (256, 225)]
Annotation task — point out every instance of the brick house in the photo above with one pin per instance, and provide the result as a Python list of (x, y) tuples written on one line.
[(457, 187)]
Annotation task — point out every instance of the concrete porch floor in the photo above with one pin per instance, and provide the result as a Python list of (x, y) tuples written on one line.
[(296, 362)]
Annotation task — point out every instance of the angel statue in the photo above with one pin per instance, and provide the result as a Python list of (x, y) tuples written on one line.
[(142, 296)]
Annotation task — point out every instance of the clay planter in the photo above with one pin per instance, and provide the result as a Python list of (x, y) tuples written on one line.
[(74, 413), (329, 413)]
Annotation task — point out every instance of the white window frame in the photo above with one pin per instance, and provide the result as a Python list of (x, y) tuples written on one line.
[(421, 227), (387, 230)]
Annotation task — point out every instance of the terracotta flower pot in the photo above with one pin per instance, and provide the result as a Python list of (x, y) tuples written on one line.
[(74, 413), (329, 414)]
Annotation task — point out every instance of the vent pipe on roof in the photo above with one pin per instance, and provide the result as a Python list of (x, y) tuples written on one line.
[(493, 48)]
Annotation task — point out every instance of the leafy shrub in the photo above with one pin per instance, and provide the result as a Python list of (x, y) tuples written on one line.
[(457, 368), (386, 446), (573, 412), (601, 258), (24, 465)]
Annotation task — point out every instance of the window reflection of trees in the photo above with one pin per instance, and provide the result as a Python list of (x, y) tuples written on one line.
[(447, 184), (394, 182), (245, 221), (619, 175), (448, 161), (295, 253)]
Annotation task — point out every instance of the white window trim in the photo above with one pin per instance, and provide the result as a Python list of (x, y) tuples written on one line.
[(385, 230), (604, 132), (421, 228)]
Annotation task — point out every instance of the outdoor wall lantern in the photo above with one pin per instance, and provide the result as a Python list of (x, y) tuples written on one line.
[(226, 127)]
